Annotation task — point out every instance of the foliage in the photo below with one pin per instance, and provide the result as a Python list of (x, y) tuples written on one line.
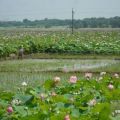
[(47, 23), (103, 43), (87, 99)]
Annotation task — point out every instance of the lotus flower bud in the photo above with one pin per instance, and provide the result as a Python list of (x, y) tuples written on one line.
[(10, 109), (56, 79), (67, 117), (110, 86), (116, 75)]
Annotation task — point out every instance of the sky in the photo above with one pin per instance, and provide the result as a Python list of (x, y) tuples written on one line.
[(57, 9)]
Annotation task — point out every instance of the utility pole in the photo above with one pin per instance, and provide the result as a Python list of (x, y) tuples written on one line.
[(72, 20)]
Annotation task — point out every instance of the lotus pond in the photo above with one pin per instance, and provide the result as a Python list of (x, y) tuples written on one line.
[(73, 99), (81, 42), (62, 89)]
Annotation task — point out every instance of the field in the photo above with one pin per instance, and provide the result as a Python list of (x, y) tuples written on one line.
[(76, 98), (84, 42), (62, 76)]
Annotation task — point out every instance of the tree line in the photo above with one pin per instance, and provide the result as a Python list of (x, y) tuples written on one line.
[(113, 22)]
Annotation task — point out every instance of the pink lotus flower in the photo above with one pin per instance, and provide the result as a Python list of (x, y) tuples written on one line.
[(73, 79), (56, 79), (110, 86), (88, 75), (10, 109), (67, 117)]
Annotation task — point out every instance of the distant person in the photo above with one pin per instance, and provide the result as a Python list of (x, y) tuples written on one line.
[(21, 53)]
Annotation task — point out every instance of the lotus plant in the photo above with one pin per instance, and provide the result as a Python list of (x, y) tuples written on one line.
[(116, 75), (110, 87), (56, 79), (10, 109), (67, 117), (102, 73), (92, 102), (73, 79), (24, 84)]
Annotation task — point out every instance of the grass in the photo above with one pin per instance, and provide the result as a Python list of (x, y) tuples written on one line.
[(12, 81), (35, 71), (70, 56), (43, 65), (64, 56)]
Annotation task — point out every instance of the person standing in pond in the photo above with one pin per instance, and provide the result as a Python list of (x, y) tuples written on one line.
[(21, 52)]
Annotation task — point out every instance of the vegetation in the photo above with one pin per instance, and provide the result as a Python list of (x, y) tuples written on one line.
[(90, 42), (58, 65), (74, 99), (29, 92), (36, 71), (47, 23)]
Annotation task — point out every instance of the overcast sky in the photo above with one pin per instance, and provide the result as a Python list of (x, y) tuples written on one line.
[(40, 9)]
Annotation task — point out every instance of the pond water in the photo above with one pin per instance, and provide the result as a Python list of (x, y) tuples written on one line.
[(89, 65), (40, 65)]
